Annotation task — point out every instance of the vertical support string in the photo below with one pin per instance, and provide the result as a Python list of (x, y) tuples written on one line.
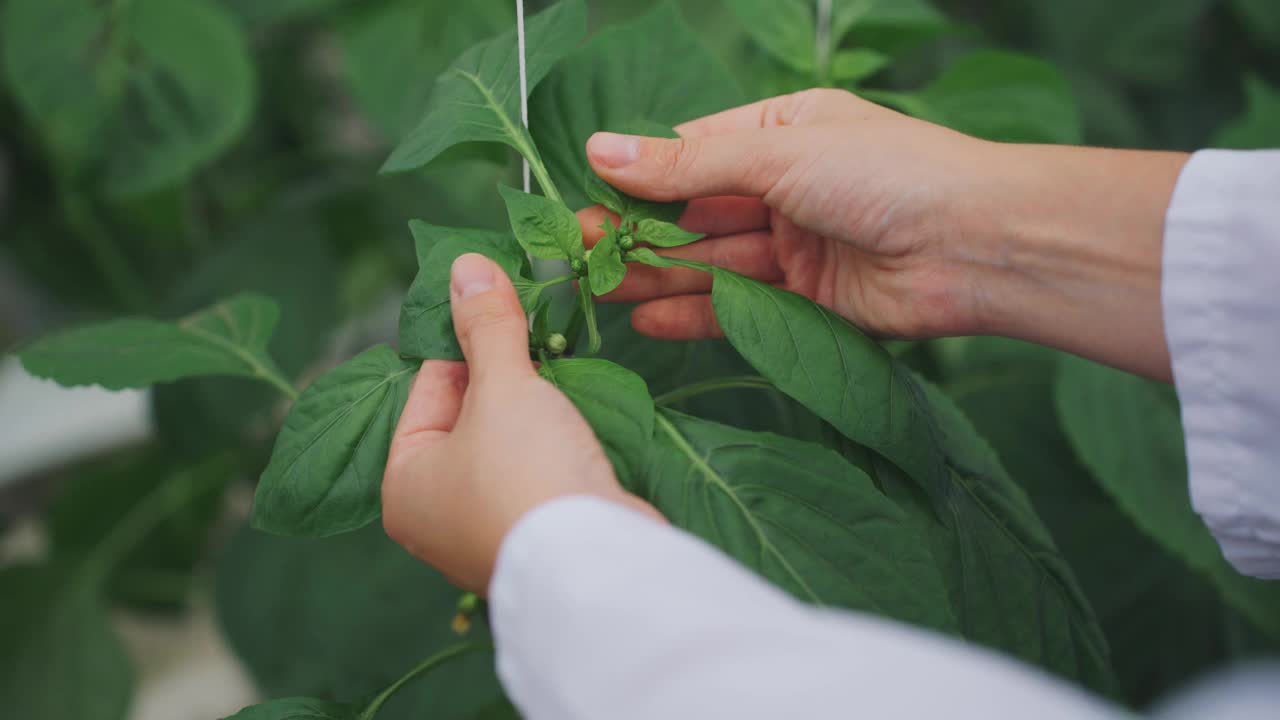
[(524, 85), (824, 38)]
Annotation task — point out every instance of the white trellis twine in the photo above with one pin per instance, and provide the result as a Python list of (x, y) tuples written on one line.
[(824, 35), (524, 84)]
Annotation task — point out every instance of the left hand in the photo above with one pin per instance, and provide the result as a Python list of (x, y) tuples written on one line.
[(482, 443)]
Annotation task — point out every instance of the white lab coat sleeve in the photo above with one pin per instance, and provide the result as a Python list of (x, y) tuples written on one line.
[(1221, 295), (599, 612)]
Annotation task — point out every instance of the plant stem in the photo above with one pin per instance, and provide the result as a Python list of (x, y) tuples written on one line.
[(426, 665), (748, 382)]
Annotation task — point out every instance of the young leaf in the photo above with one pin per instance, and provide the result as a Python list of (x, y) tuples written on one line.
[(344, 617), (664, 234), (631, 210), (426, 319), (478, 98), (1011, 588), (298, 709), (669, 78), (325, 474), (589, 311), (798, 514), (614, 400), (59, 657), (854, 66), (144, 98), (545, 228), (227, 339), (605, 269), (530, 291), (648, 257), (1128, 432)]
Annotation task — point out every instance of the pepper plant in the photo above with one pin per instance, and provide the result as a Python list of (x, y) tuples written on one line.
[(961, 486)]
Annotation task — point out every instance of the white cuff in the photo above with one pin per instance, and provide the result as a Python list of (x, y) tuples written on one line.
[(1221, 295)]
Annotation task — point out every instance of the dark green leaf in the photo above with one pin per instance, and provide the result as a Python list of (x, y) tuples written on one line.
[(1261, 17), (544, 227), (796, 513), (668, 78), (325, 474), (145, 96), (258, 12), (605, 269), (298, 709), (1010, 587), (343, 618), (227, 339), (614, 400), (478, 98), (1127, 431), (426, 320), (664, 234), (59, 658), (1259, 127)]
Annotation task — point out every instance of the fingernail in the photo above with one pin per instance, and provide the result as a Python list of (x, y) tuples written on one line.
[(472, 274), (614, 150)]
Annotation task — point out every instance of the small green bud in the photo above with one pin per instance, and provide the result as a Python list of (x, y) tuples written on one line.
[(578, 266), (627, 243), (557, 344)]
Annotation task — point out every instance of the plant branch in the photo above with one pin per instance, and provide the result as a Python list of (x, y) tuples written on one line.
[(740, 382), (425, 666)]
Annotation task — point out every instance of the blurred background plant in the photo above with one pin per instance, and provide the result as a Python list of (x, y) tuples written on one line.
[(159, 155)]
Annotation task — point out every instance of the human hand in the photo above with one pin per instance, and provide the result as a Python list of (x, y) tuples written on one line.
[(480, 444)]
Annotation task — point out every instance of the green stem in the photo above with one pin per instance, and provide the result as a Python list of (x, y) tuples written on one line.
[(544, 178), (426, 665), (745, 382), (277, 381)]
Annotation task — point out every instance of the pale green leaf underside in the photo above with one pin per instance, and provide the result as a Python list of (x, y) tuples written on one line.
[(229, 338), (798, 514), (1127, 431), (478, 98), (1010, 587), (325, 474)]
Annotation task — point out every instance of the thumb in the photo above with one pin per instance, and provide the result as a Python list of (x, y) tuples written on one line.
[(746, 163), (487, 318)]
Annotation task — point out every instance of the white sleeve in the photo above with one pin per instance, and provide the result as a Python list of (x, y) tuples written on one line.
[(599, 612), (1221, 295)]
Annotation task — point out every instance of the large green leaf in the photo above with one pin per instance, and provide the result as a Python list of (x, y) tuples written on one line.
[(1009, 585), (342, 618), (426, 319), (665, 76), (1164, 624), (325, 474), (142, 93), (1259, 127), (614, 400), (59, 658), (478, 98), (798, 514), (227, 339), (998, 95), (1128, 432)]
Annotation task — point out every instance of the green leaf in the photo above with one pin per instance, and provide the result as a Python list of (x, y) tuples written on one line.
[(667, 79), (227, 339), (478, 98), (545, 228), (798, 514), (256, 12), (59, 657), (649, 257), (786, 29), (298, 709), (1003, 96), (1260, 17), (664, 234), (1010, 587), (1259, 127), (426, 319), (143, 95), (614, 400), (530, 292), (1128, 432), (325, 474), (631, 210), (854, 66), (344, 617), (605, 269)]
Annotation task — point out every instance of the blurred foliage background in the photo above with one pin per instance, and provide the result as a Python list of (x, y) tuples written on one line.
[(157, 155)]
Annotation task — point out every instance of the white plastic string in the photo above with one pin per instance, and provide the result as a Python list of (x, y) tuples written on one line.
[(824, 35), (524, 83)]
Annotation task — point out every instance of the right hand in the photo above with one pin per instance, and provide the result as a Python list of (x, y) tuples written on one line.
[(867, 211)]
